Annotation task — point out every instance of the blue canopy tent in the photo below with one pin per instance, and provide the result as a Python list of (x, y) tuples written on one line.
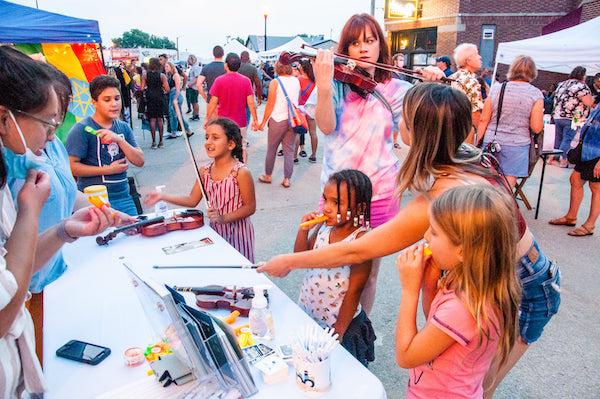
[(20, 24)]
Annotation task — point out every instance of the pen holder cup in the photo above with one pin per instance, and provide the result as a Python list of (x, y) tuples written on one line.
[(312, 377)]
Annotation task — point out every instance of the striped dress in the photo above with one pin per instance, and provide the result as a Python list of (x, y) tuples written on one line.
[(225, 196), (20, 370)]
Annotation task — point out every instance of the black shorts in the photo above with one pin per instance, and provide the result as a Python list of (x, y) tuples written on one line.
[(586, 170)]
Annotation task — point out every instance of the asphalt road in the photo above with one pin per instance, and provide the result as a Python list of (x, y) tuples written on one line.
[(564, 363)]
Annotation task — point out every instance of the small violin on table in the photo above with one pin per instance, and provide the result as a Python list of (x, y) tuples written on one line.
[(187, 220)]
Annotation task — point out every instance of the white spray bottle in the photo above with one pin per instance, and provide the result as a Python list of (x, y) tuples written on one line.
[(261, 319), (160, 208)]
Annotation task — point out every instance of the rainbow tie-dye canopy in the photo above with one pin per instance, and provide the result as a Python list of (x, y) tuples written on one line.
[(70, 44)]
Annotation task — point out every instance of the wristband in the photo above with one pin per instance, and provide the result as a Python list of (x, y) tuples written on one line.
[(63, 235)]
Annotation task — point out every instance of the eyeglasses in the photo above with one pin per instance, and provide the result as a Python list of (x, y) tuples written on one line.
[(52, 124)]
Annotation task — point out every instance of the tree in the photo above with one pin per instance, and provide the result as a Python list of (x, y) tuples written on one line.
[(137, 38)]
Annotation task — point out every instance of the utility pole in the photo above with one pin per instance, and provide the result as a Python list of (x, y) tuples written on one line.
[(372, 8), (36, 4), (177, 48)]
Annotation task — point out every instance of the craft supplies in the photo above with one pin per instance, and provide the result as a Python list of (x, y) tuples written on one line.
[(317, 220), (257, 352), (134, 357), (153, 352), (91, 130), (312, 349), (160, 208), (97, 195), (254, 266), (232, 317), (273, 369)]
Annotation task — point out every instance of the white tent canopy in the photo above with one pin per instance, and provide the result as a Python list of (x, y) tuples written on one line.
[(293, 46), (559, 51), (236, 47)]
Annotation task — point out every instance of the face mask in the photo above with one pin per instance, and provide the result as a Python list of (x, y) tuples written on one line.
[(19, 164)]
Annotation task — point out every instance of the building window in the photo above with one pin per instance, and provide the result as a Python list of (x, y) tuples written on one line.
[(418, 44), (487, 45), (415, 40)]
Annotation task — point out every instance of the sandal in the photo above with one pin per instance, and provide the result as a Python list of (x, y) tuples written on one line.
[(581, 231), (285, 183), (280, 153), (264, 179), (312, 159), (396, 146), (563, 221), (303, 154)]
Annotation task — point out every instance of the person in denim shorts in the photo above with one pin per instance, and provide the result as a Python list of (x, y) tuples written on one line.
[(436, 120)]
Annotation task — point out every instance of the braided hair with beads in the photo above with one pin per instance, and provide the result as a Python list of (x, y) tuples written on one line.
[(358, 186)]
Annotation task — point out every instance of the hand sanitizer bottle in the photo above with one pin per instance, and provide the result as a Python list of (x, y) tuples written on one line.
[(160, 208), (261, 319)]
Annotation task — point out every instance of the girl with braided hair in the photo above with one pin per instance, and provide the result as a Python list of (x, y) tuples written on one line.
[(331, 296)]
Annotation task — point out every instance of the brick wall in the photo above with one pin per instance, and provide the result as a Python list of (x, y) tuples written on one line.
[(590, 10), (499, 6)]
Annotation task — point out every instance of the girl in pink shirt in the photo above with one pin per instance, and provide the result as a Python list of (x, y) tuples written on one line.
[(472, 310)]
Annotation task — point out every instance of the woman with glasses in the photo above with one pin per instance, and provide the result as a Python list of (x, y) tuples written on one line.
[(33, 101)]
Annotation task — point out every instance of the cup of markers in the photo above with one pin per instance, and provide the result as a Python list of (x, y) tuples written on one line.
[(312, 361)]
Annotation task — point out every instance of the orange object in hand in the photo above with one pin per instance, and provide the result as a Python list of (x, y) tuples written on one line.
[(314, 221), (427, 251), (97, 201)]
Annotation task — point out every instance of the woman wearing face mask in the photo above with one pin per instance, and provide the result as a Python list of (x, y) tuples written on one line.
[(30, 111)]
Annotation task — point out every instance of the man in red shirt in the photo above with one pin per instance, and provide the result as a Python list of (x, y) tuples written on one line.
[(230, 94)]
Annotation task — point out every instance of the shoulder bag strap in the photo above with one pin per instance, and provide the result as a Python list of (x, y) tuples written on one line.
[(384, 101), (289, 103), (499, 112)]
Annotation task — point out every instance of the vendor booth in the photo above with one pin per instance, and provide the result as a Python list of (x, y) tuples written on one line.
[(70, 44)]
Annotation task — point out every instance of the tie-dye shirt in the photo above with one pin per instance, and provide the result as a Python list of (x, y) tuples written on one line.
[(363, 136)]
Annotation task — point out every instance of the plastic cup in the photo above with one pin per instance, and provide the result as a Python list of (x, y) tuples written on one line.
[(313, 377)]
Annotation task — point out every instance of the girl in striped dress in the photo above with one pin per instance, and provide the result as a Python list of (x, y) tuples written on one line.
[(228, 185)]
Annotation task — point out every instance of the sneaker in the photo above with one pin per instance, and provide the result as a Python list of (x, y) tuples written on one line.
[(195, 118), (188, 111), (280, 153), (303, 154), (153, 146), (190, 134), (179, 133), (161, 145), (312, 159), (171, 136), (296, 161)]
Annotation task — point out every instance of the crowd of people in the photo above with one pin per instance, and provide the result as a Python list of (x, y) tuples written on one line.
[(487, 289)]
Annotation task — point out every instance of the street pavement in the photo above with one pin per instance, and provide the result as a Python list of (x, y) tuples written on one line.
[(564, 363)]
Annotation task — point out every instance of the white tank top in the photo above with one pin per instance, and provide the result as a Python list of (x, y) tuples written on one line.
[(292, 87)]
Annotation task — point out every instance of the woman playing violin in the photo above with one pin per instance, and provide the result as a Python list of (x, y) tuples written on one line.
[(358, 131)]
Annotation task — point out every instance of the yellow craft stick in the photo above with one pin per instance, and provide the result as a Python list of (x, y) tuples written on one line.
[(316, 220)]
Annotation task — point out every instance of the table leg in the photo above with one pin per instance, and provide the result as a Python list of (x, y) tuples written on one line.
[(537, 206)]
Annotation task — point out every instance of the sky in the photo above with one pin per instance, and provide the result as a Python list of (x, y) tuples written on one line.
[(202, 24)]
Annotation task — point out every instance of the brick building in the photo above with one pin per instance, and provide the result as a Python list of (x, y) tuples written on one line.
[(425, 29)]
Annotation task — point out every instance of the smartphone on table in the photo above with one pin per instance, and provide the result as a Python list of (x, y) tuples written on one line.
[(83, 352)]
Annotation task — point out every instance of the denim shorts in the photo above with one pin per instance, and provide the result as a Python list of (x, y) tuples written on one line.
[(540, 280)]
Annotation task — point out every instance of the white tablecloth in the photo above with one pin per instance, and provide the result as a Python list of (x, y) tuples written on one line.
[(94, 302)]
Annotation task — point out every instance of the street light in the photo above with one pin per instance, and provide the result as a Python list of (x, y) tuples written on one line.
[(265, 14)]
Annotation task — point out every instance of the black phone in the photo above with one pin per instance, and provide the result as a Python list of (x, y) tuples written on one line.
[(83, 352)]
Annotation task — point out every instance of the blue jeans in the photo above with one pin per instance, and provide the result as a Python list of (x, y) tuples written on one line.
[(121, 200), (564, 135), (540, 279), (173, 114)]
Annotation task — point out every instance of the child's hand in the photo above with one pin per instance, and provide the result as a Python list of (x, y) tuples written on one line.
[(152, 198), (411, 266), (118, 166), (215, 216), (308, 217), (107, 137)]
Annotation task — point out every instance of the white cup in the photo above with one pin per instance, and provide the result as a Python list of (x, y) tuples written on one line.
[(312, 377)]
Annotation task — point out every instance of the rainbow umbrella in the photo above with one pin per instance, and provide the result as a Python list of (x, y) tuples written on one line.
[(81, 63)]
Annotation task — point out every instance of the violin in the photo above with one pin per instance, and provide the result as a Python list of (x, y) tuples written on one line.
[(220, 297), (347, 71), (187, 220)]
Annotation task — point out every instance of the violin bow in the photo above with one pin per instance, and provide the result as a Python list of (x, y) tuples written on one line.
[(196, 168), (404, 71)]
